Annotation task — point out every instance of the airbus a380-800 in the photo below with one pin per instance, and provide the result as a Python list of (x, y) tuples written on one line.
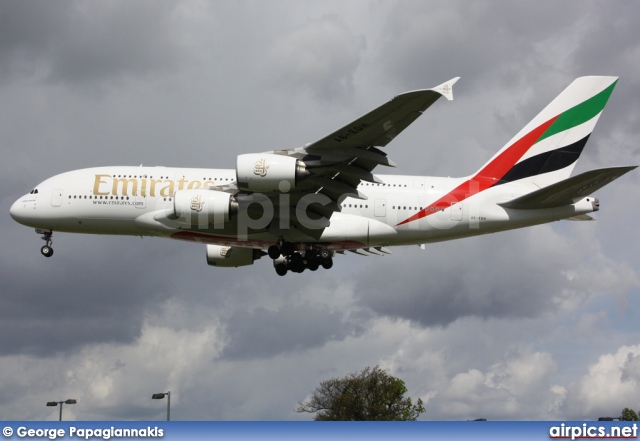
[(303, 205)]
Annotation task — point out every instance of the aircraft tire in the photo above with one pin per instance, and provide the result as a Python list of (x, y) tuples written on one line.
[(281, 269), (327, 263), (274, 252), (46, 251), (287, 249), (311, 257), (296, 264)]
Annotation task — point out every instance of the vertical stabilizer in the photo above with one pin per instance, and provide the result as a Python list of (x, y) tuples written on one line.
[(545, 151)]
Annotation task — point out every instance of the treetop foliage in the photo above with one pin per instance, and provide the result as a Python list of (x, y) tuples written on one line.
[(629, 415), (368, 395)]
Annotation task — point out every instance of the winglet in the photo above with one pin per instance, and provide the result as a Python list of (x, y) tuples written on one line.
[(446, 88)]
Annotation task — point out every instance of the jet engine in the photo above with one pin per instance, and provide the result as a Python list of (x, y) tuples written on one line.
[(205, 207), (267, 171), (226, 257)]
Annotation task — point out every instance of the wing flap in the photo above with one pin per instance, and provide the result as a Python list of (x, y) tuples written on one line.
[(340, 188), (356, 172), (373, 155), (370, 251), (568, 191)]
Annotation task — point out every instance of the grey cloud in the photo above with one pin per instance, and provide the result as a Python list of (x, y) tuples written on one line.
[(522, 277), (264, 333), (51, 309), (320, 56), (610, 42), (75, 42), (492, 41)]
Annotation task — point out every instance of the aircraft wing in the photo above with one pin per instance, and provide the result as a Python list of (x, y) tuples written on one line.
[(380, 126), (568, 191), (338, 162)]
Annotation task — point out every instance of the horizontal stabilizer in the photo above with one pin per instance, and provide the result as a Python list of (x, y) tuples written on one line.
[(568, 191)]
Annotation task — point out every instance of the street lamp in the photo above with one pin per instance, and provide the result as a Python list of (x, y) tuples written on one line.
[(160, 396), (55, 403)]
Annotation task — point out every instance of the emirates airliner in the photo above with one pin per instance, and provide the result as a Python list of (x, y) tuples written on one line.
[(303, 205)]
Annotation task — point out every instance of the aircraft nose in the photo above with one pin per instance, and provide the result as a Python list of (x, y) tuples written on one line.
[(21, 209)]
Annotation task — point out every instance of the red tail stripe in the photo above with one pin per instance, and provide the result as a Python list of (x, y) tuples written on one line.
[(488, 176)]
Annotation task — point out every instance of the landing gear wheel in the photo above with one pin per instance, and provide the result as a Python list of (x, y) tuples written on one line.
[(325, 254), (287, 249), (311, 257), (46, 251), (281, 269), (313, 265), (296, 263), (327, 263), (274, 252)]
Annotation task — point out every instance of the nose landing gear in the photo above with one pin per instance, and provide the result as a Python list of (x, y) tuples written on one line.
[(46, 250)]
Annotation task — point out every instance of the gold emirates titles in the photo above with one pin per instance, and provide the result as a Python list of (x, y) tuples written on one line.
[(148, 187)]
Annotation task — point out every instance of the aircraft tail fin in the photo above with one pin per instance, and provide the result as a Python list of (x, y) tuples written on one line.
[(545, 151), (568, 191)]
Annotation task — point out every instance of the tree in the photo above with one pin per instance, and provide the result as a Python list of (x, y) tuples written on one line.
[(628, 415), (369, 395)]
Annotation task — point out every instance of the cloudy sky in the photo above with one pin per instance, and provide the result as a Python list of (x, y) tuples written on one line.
[(539, 323)]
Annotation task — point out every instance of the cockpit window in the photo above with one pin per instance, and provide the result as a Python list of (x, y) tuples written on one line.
[(34, 191)]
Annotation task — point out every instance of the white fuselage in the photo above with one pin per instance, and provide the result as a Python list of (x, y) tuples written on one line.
[(139, 201)]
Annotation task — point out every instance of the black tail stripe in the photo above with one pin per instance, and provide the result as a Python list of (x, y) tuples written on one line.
[(545, 162)]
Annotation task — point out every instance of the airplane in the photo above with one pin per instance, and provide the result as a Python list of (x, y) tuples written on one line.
[(302, 206)]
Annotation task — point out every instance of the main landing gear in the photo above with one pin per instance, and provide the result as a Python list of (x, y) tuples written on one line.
[(286, 258), (46, 250)]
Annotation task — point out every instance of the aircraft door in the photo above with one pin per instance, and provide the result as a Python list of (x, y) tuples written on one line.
[(380, 208), (456, 211), (56, 198)]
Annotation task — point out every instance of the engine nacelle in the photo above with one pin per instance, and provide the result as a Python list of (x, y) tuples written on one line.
[(203, 207), (226, 257), (267, 171)]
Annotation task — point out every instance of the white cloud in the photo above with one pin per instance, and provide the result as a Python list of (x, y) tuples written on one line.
[(517, 387), (611, 384)]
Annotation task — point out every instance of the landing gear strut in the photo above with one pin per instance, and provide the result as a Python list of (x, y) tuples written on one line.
[(46, 250)]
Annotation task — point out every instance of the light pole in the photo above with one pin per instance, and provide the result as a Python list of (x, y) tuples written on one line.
[(160, 396), (55, 403)]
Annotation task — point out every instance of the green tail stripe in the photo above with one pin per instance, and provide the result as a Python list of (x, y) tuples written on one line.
[(579, 114)]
